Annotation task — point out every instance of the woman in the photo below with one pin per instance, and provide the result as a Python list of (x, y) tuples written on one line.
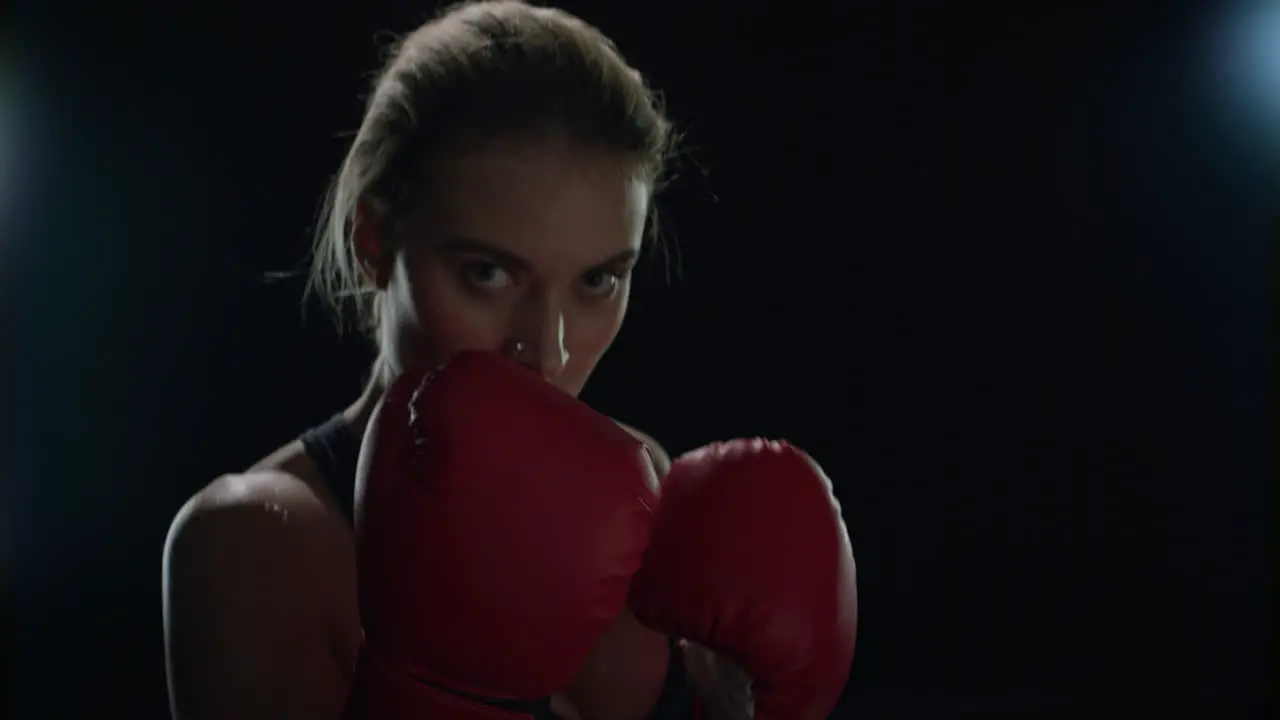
[(495, 197)]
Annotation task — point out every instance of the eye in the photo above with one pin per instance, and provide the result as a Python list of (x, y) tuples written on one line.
[(486, 275), (601, 282)]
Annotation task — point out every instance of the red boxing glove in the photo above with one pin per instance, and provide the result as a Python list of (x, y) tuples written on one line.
[(498, 524), (751, 558)]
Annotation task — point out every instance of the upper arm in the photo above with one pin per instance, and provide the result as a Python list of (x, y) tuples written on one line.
[(256, 572)]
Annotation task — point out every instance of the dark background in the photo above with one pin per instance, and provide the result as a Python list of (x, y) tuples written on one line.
[(1002, 267)]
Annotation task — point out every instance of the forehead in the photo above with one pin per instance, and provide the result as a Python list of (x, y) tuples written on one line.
[(547, 201)]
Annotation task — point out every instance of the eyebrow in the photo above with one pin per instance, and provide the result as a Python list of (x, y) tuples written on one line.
[(463, 245)]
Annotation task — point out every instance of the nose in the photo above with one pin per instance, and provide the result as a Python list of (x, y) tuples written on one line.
[(539, 341)]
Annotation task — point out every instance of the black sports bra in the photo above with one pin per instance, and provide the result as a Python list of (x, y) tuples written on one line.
[(335, 449)]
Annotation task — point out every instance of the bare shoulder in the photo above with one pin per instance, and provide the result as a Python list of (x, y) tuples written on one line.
[(242, 508), (257, 529), (258, 586), (660, 456)]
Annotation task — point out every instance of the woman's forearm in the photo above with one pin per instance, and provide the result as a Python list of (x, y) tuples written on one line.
[(722, 685)]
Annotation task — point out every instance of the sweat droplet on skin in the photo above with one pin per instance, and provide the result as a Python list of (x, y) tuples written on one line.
[(277, 508)]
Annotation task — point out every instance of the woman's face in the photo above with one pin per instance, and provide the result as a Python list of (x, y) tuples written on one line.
[(518, 245)]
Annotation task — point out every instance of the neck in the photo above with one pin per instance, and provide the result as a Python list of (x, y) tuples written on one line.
[(358, 413)]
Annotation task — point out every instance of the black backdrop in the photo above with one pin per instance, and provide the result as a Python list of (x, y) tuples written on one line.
[(1001, 267)]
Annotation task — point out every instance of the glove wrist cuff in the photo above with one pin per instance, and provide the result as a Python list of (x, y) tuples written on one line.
[(380, 690)]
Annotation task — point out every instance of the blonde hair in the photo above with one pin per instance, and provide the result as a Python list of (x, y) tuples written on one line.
[(479, 70)]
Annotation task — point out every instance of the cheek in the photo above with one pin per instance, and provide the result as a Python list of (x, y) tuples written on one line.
[(593, 334), (449, 320)]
